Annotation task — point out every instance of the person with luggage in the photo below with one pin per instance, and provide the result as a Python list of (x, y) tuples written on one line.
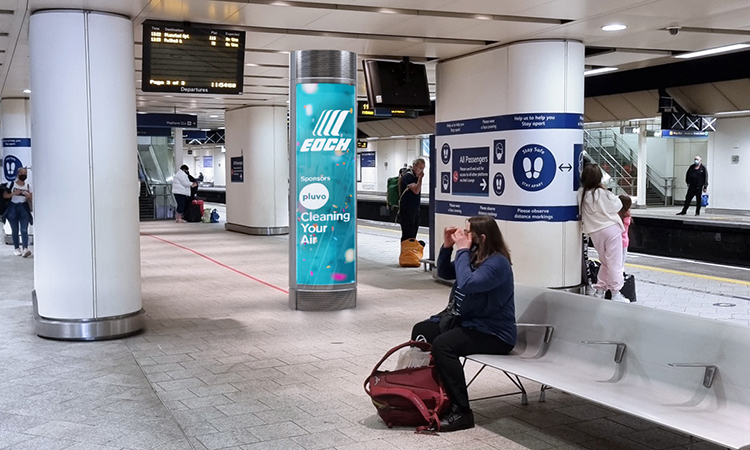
[(480, 317), (599, 210), (696, 178), (181, 186), (410, 186), (18, 212)]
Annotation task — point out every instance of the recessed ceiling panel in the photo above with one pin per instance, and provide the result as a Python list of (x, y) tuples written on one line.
[(620, 57)]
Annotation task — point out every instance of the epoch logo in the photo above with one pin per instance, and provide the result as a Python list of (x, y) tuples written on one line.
[(329, 124), (313, 196)]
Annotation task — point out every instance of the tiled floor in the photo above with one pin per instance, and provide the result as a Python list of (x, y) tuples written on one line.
[(225, 364)]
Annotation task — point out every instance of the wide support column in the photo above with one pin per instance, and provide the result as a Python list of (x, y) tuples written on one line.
[(15, 130), (509, 141), (257, 170), (87, 262), (323, 186)]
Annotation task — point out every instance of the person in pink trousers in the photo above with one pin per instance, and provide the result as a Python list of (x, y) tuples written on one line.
[(601, 222)]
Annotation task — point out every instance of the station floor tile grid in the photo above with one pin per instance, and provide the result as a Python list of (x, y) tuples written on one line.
[(225, 364)]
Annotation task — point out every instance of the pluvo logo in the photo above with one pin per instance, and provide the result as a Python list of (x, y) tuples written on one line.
[(313, 196), (329, 124)]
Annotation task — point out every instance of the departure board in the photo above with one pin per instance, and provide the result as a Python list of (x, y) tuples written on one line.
[(191, 59)]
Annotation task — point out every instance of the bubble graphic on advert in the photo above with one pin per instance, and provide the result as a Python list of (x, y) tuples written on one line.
[(308, 109), (349, 255), (310, 88), (339, 276)]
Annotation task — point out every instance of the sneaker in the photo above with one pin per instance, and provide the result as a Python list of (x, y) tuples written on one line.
[(456, 420), (619, 298), (681, 213), (26, 253), (17, 252)]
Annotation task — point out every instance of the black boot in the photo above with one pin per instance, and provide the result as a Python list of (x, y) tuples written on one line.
[(457, 419)]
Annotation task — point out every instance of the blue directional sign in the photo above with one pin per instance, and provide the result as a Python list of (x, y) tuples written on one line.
[(471, 171)]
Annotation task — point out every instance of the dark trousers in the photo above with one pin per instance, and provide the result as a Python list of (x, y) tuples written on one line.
[(409, 220), (181, 203), (449, 346), (693, 192)]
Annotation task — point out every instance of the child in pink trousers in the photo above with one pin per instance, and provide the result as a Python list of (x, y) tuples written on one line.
[(624, 214)]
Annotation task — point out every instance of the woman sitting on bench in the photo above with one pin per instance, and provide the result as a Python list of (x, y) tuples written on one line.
[(480, 317)]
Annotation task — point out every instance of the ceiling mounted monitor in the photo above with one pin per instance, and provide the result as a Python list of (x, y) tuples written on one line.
[(400, 85), (192, 59)]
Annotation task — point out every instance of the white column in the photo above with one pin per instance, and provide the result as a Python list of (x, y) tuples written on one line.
[(179, 153), (258, 204), (87, 259), (642, 167), (509, 137)]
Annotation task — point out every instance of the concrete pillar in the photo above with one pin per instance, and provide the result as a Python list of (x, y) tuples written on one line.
[(87, 261), (257, 196), (179, 153), (509, 140), (642, 167), (323, 184)]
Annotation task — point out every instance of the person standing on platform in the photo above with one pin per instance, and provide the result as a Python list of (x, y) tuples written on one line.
[(411, 199), (697, 181), (18, 213), (601, 222), (181, 190)]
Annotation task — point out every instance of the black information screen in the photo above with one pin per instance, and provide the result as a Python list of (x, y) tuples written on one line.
[(192, 60)]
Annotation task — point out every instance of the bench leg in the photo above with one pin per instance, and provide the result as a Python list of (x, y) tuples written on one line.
[(475, 375), (542, 392), (519, 385)]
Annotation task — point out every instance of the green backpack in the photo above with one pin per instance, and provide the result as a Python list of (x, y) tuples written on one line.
[(394, 191)]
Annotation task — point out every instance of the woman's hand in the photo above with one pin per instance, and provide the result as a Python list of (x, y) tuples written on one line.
[(462, 239), (448, 236)]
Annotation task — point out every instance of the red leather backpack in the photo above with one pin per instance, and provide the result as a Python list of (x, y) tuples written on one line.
[(408, 397)]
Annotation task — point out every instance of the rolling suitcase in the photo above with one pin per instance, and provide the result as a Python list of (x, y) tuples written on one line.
[(193, 213)]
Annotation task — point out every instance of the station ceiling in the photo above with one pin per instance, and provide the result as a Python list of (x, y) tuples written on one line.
[(424, 30)]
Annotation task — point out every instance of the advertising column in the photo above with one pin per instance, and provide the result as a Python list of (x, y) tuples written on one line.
[(322, 200)]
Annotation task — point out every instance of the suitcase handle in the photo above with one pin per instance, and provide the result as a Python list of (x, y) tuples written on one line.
[(424, 346)]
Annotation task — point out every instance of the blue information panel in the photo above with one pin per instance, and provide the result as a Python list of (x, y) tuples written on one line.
[(326, 184), (471, 171), (367, 159)]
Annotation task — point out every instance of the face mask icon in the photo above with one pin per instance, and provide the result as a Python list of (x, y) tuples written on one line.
[(499, 150), (446, 179)]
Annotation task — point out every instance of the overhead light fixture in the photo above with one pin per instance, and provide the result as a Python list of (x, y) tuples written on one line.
[(713, 51), (481, 17), (732, 113), (213, 116), (27, 91), (614, 27), (599, 71), (251, 64), (387, 11)]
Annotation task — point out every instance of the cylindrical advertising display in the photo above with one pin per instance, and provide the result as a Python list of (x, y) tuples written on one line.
[(323, 195)]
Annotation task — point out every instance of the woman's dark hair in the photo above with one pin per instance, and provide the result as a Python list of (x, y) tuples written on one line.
[(627, 202), (184, 168), (591, 178), (493, 241)]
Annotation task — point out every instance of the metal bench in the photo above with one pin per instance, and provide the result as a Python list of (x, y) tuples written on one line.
[(682, 372)]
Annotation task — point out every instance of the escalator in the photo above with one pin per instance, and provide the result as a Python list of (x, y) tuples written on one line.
[(155, 169)]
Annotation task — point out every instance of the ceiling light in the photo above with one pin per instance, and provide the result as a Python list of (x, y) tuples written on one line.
[(213, 116), (27, 91), (599, 71), (614, 27), (730, 113), (251, 64), (481, 17), (713, 51), (387, 11), (280, 4)]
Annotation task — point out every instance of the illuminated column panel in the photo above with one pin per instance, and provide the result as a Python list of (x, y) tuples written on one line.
[(87, 262), (323, 194)]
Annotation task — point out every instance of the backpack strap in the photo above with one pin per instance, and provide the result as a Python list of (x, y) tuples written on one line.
[(424, 346)]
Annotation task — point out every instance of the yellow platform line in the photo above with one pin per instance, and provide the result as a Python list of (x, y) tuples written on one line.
[(689, 274)]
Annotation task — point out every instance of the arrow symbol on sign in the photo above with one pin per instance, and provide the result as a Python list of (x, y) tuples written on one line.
[(565, 167), (483, 183)]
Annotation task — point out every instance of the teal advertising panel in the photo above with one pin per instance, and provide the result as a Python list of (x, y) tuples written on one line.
[(326, 184)]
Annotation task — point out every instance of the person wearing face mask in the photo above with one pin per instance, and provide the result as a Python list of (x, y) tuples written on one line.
[(181, 185), (697, 181), (480, 317), (18, 213), (411, 199)]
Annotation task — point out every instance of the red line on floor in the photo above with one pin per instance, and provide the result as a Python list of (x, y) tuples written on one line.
[(218, 263)]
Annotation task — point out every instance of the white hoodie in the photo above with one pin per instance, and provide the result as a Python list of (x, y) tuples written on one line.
[(599, 210)]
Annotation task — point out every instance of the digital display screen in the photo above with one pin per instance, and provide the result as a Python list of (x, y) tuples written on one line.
[(325, 213), (192, 60)]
